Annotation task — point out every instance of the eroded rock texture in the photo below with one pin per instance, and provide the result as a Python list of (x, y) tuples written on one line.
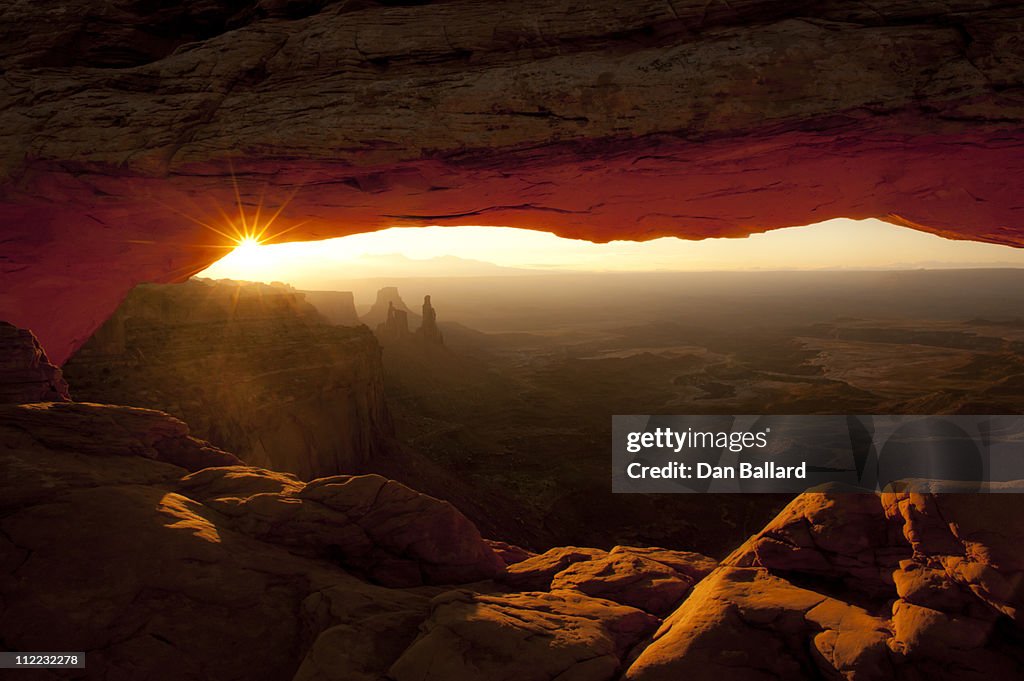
[(378, 527), (122, 124), (557, 635)]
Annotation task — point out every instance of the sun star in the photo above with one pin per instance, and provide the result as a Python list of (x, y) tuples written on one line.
[(248, 243)]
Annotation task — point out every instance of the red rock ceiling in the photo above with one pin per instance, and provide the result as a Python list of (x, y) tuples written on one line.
[(122, 125)]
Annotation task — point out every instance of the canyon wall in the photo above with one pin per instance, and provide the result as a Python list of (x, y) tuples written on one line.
[(253, 368), (127, 127)]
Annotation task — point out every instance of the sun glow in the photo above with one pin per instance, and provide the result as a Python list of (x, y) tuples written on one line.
[(491, 251), (249, 231), (248, 242), (246, 235), (249, 254)]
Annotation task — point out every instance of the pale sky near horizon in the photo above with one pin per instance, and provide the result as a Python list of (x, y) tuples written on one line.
[(835, 244)]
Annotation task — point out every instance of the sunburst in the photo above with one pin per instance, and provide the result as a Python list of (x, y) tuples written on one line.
[(249, 230), (248, 242), (240, 234)]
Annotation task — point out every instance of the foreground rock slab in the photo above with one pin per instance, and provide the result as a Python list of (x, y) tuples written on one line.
[(844, 586), (542, 636), (99, 553), (378, 527), (113, 431), (653, 580)]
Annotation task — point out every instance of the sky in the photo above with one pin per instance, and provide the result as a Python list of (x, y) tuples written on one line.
[(474, 251)]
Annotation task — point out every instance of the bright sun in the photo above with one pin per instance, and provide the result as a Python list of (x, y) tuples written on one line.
[(245, 236), (249, 254)]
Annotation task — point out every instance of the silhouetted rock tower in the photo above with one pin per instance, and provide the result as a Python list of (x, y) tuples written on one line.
[(396, 326), (428, 330)]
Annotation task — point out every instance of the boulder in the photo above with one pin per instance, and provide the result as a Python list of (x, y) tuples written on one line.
[(374, 526), (522, 637), (535, 573), (637, 577), (858, 586), (746, 624), (960, 596), (965, 545), (99, 553), (839, 536), (694, 565)]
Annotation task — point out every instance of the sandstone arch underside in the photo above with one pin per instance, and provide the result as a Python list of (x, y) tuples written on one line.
[(123, 125)]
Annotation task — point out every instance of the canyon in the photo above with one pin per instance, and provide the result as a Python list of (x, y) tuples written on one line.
[(205, 481), (358, 577), (512, 426), (258, 370), (522, 409)]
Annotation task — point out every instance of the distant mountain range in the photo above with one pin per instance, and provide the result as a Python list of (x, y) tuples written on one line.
[(374, 266)]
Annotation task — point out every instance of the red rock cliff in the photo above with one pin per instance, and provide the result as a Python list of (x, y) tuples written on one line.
[(123, 124)]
